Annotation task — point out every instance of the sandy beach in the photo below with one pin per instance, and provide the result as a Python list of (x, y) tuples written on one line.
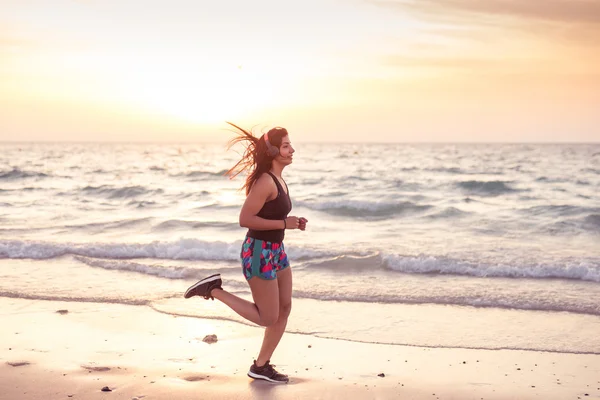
[(62, 350)]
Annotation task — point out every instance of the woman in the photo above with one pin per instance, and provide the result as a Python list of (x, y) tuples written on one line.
[(264, 261)]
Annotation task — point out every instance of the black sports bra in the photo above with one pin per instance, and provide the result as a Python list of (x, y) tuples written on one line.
[(276, 209)]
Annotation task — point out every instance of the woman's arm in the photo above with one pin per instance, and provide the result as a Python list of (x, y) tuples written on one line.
[(261, 191)]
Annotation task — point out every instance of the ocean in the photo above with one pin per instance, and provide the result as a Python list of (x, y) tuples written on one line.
[(487, 246)]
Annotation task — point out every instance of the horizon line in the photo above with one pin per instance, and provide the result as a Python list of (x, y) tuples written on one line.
[(303, 142)]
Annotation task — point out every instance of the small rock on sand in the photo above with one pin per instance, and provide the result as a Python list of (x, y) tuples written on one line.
[(210, 339), (382, 375), (62, 312), (106, 389)]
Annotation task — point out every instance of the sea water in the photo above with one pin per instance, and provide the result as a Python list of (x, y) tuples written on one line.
[(493, 246)]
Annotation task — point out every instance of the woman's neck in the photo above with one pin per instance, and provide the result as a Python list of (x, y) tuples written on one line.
[(276, 169)]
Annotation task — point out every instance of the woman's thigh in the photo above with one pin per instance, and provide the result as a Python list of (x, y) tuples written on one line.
[(266, 297), (284, 281)]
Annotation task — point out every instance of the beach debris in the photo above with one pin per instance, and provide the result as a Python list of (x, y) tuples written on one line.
[(210, 339), (95, 369), (381, 375), (106, 389), (195, 378), (310, 346), (62, 312), (18, 363)]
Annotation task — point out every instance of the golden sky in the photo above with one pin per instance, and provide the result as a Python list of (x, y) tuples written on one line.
[(327, 70)]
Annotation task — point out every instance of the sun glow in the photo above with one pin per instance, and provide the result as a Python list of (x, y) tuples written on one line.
[(209, 94)]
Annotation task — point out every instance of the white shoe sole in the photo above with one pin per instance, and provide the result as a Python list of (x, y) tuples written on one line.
[(203, 281), (264, 378)]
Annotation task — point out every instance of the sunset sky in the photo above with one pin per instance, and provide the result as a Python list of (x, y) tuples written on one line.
[(327, 70)]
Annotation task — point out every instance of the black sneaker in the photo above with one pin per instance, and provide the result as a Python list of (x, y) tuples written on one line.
[(267, 373), (204, 287)]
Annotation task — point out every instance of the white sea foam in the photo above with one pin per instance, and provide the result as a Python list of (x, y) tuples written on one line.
[(182, 249), (365, 208), (583, 270), (461, 222), (162, 271)]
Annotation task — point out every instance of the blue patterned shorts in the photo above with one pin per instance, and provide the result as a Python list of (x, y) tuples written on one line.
[(263, 259)]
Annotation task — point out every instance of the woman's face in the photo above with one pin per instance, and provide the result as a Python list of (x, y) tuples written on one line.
[(286, 151)]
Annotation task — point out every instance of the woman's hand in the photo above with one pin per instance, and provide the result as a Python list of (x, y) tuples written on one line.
[(302, 223), (295, 223), (292, 222)]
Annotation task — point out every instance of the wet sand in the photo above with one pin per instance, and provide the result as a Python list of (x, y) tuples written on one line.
[(63, 350)]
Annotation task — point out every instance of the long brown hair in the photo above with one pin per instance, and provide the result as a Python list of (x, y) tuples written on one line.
[(255, 158)]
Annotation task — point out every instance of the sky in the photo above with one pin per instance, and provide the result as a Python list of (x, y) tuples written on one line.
[(327, 70)]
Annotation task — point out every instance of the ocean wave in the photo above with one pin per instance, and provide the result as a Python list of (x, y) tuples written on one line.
[(460, 171), (448, 170), (89, 228), (486, 188), (182, 249), (125, 192), (142, 204), (573, 226), (25, 189), (201, 174), (111, 225), (366, 209), (17, 173), (448, 212), (354, 178), (491, 301), (431, 265), (162, 271), (99, 171), (218, 206), (404, 186), (550, 180), (591, 170), (560, 210), (311, 181), (585, 271), (592, 220), (176, 224)]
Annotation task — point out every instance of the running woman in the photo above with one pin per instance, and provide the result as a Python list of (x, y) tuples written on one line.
[(264, 261)]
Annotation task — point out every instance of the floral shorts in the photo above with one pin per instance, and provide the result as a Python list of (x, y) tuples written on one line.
[(263, 259)]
